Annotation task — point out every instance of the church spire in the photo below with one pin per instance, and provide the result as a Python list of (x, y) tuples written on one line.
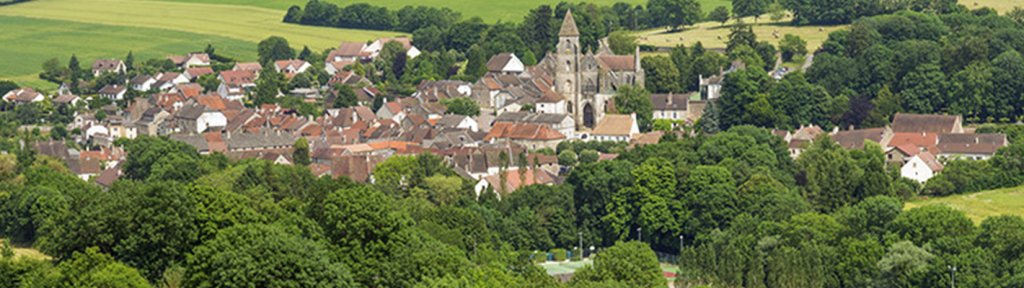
[(569, 26)]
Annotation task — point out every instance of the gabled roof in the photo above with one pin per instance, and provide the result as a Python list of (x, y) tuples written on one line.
[(986, 144), (929, 159), (112, 89), (930, 123), (618, 62), (523, 131), (568, 26), (237, 78), (615, 125), (514, 181), (106, 64), (195, 72), (26, 94), (248, 66), (854, 139), (499, 61), (920, 140), (670, 102)]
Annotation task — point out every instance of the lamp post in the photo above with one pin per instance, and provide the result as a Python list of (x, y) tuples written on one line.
[(681, 242), (581, 244), (952, 273), (639, 234)]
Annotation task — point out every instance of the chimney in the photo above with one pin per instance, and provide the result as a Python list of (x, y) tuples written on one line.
[(669, 99)]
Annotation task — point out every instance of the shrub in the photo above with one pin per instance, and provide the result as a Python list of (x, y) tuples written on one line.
[(559, 254)]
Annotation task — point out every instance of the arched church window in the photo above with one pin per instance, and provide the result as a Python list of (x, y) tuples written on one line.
[(569, 106)]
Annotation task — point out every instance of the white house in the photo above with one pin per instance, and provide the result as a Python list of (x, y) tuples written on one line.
[(505, 63), (616, 127), (108, 66), (23, 95), (373, 49), (452, 121), (291, 66), (113, 92), (235, 84), (921, 167), (142, 82)]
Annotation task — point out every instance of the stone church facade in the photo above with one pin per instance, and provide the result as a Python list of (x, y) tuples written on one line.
[(588, 81)]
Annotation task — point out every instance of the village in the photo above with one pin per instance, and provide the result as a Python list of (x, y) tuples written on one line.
[(525, 112)]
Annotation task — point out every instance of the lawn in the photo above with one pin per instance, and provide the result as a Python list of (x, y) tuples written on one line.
[(715, 35), (28, 252), (31, 41), (490, 11), (246, 23), (999, 5), (980, 205)]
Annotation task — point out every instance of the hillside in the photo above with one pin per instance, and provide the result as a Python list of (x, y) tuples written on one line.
[(980, 205), (715, 35)]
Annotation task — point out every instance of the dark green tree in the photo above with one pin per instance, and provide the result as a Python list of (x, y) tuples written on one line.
[(274, 48), (629, 99), (720, 14), (300, 154)]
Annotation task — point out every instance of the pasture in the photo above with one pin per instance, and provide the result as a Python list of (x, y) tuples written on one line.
[(980, 205), (489, 11)]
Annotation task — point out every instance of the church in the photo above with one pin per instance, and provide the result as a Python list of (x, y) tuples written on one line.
[(571, 81)]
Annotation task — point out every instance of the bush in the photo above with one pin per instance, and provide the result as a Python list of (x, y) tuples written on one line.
[(559, 254), (577, 254), (539, 257)]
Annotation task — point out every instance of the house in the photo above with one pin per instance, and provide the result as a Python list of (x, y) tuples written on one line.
[(903, 145), (531, 136), (67, 99), (711, 87), (198, 118), (23, 95), (970, 146), (253, 67), (336, 66), (235, 84), (674, 107), (374, 48), (195, 72), (505, 63), (167, 80), (505, 182), (151, 120), (108, 66), (616, 127), (142, 82), (800, 139), (348, 52), (921, 167), (563, 123), (927, 123), (854, 139), (391, 110), (291, 67), (191, 60), (452, 121), (113, 92)]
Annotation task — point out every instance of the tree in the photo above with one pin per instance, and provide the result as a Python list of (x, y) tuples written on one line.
[(830, 173), (886, 105), (461, 106), (630, 264), (263, 256), (674, 13), (8, 85), (567, 158), (720, 14), (129, 61), (476, 65), (346, 97), (741, 35), (294, 14), (622, 42), (362, 222), (661, 74), (274, 48), (629, 99), (94, 269), (748, 8), (792, 45), (904, 265), (300, 155), (588, 156)]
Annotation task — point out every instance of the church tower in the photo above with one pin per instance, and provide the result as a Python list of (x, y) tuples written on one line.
[(567, 67)]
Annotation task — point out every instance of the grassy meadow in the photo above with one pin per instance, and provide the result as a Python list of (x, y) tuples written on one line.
[(715, 34), (490, 11), (980, 205)]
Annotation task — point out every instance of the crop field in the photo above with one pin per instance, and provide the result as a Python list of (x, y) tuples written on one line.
[(490, 11), (980, 205)]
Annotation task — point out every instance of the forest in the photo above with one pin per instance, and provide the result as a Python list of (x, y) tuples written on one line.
[(747, 214)]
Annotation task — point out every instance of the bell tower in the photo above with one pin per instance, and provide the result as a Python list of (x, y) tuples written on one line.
[(567, 67)]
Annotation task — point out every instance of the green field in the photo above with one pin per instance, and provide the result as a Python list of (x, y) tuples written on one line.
[(30, 42), (490, 11), (39, 30), (980, 205)]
